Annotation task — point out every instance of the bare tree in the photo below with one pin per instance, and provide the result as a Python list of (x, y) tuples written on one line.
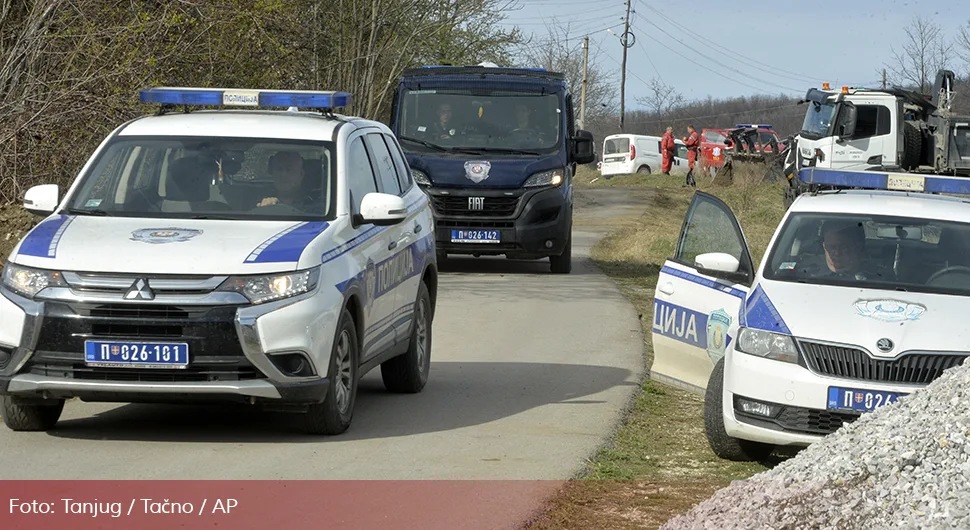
[(963, 42), (924, 51), (661, 100), (560, 52)]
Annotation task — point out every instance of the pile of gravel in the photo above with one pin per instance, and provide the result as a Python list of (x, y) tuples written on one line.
[(905, 465)]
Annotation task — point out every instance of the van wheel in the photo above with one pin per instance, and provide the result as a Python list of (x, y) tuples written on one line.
[(334, 415), (563, 264), (24, 417), (643, 170), (724, 446), (408, 373)]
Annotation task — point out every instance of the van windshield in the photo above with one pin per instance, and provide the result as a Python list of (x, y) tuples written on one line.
[(616, 146), (480, 119), (207, 177), (871, 251)]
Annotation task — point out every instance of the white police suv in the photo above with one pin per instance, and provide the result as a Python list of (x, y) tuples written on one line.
[(860, 299), (271, 257)]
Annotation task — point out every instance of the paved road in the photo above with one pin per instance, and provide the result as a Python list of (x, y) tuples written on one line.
[(530, 374)]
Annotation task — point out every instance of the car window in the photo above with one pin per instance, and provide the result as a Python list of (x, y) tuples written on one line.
[(869, 251), (360, 173), (709, 228), (617, 146), (234, 178), (403, 173), (681, 151), (714, 137), (383, 165)]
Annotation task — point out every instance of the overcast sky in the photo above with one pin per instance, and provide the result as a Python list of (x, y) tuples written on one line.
[(782, 45)]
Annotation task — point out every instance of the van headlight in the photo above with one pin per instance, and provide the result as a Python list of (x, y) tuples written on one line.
[(553, 177), (270, 287), (420, 177), (767, 344), (27, 281)]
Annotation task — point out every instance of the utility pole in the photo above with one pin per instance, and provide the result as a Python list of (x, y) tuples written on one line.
[(884, 79), (582, 102), (625, 41)]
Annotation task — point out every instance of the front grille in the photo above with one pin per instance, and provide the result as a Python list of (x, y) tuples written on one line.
[(152, 312), (812, 421), (491, 206), (474, 224), (853, 363)]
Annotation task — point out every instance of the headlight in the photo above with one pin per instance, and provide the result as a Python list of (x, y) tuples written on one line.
[(270, 287), (767, 344), (28, 282), (420, 177), (553, 177)]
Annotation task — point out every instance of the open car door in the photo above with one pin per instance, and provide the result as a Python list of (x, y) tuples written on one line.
[(699, 293)]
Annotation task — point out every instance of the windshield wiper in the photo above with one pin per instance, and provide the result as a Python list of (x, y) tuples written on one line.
[(426, 144), (501, 150), (78, 211), (210, 216)]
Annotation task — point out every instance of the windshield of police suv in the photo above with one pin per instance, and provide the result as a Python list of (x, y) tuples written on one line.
[(221, 178), (818, 120), (459, 120), (868, 251)]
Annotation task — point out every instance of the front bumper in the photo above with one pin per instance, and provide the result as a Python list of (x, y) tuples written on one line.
[(234, 349), (804, 417), (531, 224)]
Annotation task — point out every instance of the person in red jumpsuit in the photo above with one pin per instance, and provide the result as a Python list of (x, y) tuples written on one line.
[(667, 146), (693, 142)]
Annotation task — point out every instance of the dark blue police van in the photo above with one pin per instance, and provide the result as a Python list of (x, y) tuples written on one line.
[(496, 149)]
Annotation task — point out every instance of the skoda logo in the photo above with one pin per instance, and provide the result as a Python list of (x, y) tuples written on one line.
[(884, 345)]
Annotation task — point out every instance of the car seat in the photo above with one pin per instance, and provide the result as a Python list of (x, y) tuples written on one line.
[(189, 186)]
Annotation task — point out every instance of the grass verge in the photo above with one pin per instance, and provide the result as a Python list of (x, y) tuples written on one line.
[(658, 464)]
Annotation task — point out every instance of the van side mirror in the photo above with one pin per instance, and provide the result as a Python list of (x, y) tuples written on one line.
[(581, 147), (382, 209), (848, 122), (41, 200)]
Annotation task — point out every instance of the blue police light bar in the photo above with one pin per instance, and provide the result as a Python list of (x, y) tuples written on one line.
[(873, 180), (232, 97), (751, 126)]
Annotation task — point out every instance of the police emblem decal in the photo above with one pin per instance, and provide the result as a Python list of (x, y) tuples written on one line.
[(889, 310), (718, 324), (164, 235), (477, 171), (370, 284)]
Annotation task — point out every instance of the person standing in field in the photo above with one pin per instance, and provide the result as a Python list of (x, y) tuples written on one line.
[(693, 142), (667, 146)]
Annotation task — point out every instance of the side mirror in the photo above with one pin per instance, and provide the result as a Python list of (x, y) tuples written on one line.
[(847, 127), (720, 265), (41, 200), (581, 147), (382, 209)]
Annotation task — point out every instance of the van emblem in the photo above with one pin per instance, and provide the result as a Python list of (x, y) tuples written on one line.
[(885, 345), (889, 310), (140, 290), (164, 235), (477, 171)]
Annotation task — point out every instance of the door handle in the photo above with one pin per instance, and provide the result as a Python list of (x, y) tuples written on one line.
[(667, 288), (417, 229), (392, 245)]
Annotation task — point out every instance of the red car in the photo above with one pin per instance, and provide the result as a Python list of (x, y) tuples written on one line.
[(715, 141)]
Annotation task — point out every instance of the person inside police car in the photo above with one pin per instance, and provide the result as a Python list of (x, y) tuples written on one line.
[(845, 255), (287, 170)]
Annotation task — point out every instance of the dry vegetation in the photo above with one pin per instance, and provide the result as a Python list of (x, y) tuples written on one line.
[(658, 464)]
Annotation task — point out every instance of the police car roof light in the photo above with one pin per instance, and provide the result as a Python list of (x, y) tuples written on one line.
[(752, 126), (230, 97), (872, 180)]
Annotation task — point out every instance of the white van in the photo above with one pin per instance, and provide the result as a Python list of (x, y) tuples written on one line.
[(625, 154)]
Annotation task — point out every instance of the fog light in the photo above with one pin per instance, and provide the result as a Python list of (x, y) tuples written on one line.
[(293, 364), (548, 243), (758, 408)]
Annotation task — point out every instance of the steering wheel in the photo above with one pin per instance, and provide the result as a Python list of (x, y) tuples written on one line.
[(960, 269), (278, 208)]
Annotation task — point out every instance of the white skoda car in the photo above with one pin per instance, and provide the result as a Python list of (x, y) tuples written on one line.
[(859, 300), (269, 257)]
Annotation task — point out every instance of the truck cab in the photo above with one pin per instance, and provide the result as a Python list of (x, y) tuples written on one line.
[(496, 150)]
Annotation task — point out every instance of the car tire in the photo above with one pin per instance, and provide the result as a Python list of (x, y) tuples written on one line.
[(334, 415), (32, 417), (408, 373), (643, 170), (912, 146), (563, 264), (723, 445)]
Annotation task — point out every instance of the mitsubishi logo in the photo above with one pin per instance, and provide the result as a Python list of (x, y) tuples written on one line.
[(476, 203), (140, 291)]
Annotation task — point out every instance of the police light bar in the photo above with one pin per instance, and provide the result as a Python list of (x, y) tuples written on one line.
[(751, 126), (232, 97), (873, 180)]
